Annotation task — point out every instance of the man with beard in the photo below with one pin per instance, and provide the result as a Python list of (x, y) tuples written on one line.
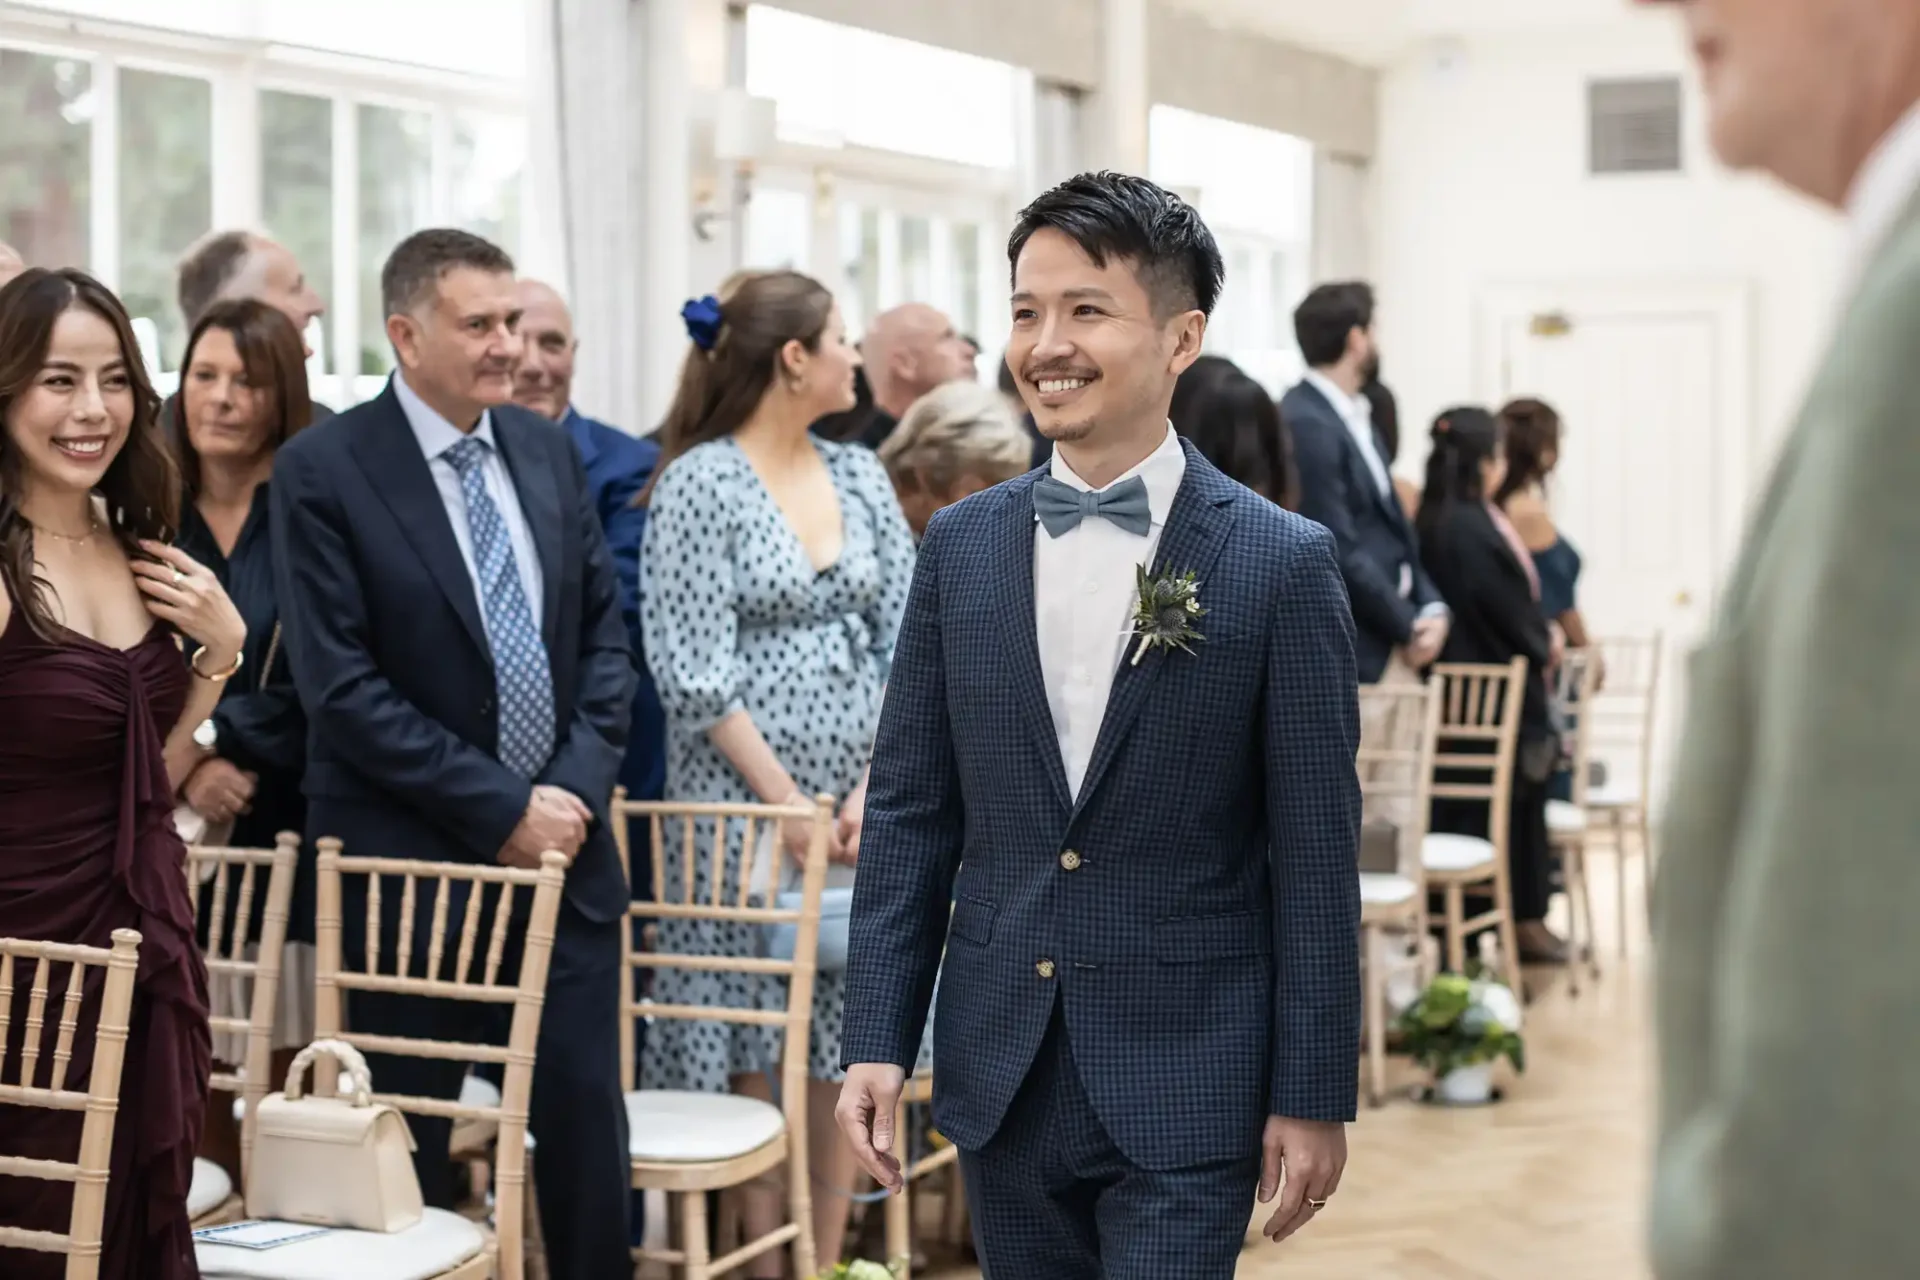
[(1345, 485)]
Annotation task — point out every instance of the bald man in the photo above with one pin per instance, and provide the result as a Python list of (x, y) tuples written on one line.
[(909, 351), (11, 264), (617, 467)]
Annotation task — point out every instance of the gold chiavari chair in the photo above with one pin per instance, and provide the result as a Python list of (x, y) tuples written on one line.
[(461, 964), (100, 1100), (1479, 729), (233, 881), (1400, 732), (688, 1144), (1624, 714), (1567, 821)]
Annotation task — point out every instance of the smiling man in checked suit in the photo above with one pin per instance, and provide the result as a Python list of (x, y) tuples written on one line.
[(1151, 999)]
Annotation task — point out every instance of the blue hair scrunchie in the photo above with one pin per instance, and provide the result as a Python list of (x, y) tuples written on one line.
[(703, 319)]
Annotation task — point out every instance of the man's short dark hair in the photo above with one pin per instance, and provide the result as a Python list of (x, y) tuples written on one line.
[(208, 268), (415, 266), (1323, 320), (1112, 215)]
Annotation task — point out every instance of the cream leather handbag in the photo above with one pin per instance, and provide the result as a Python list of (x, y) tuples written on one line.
[(333, 1162)]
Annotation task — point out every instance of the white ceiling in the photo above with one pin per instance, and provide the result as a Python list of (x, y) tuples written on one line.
[(1377, 31)]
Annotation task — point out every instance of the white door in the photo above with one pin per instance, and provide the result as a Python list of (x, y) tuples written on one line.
[(1652, 460)]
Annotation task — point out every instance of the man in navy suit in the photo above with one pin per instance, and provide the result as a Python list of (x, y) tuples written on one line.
[(618, 466), (1145, 834), (453, 620), (1345, 485)]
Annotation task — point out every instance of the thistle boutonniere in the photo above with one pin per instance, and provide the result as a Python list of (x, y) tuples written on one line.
[(1164, 618)]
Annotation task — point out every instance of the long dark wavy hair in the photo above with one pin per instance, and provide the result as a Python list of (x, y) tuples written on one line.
[(142, 484), (275, 362), (1463, 438), (1532, 435), (720, 388)]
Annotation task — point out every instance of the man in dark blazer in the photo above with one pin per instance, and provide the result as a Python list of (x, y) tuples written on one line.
[(1345, 484), (453, 620), (1146, 838), (618, 466)]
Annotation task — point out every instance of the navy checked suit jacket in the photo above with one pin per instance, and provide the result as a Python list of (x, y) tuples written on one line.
[(1203, 942)]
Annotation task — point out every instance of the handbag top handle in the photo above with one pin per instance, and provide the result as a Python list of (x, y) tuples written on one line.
[(343, 1053)]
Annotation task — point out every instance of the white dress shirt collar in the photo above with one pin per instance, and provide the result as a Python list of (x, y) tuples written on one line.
[(1884, 188), (1162, 471), (435, 434), (1348, 407)]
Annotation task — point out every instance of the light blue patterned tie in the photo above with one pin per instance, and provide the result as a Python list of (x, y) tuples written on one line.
[(519, 654)]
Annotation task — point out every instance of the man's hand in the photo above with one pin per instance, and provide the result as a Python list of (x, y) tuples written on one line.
[(555, 819), (1428, 639), (218, 791), (853, 815), (1312, 1153), (869, 1100)]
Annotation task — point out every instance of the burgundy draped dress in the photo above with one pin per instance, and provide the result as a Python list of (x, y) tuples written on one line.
[(87, 846)]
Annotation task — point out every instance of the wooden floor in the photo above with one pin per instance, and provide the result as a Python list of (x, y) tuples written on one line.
[(1547, 1185)]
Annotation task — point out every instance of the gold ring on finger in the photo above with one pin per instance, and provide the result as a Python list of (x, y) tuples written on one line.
[(178, 577), (1316, 1204)]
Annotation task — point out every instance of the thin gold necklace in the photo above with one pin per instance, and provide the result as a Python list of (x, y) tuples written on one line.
[(80, 541)]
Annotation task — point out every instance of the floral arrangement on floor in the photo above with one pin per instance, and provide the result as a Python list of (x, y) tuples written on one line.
[(1463, 1020), (859, 1269)]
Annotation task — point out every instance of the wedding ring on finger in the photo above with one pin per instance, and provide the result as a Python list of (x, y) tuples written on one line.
[(1316, 1205), (178, 577)]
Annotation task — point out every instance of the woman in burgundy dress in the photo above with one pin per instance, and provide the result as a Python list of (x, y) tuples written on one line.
[(99, 711)]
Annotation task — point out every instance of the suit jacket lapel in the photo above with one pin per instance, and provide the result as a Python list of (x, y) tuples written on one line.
[(1013, 564), (539, 502), (1196, 529), (395, 468)]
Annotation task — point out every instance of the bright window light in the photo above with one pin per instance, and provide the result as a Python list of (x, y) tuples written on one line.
[(839, 85)]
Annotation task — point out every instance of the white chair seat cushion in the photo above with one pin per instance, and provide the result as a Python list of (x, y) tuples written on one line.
[(672, 1125), (1565, 818), (478, 1091), (1381, 890), (438, 1242), (1445, 851), (210, 1189), (1616, 794)]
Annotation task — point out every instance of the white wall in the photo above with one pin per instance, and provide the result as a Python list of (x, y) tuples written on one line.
[(1481, 174)]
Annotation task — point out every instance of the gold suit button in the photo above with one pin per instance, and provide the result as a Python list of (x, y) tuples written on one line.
[(1044, 968), (1070, 861)]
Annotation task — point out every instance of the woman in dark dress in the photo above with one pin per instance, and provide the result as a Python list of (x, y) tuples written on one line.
[(99, 712), (1484, 573), (243, 392)]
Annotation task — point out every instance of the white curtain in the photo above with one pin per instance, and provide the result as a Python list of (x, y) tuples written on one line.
[(585, 143), (1342, 222)]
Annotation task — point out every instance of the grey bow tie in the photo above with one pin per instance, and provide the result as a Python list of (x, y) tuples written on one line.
[(1061, 506)]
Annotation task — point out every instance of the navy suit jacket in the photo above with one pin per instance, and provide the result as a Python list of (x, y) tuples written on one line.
[(1371, 531), (1203, 943), (383, 631), (618, 466)]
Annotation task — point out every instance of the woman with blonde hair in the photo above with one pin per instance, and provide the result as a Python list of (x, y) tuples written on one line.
[(955, 440)]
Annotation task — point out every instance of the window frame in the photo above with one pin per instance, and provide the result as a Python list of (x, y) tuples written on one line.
[(238, 71)]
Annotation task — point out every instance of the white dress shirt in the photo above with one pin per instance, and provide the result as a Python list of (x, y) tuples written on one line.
[(436, 435), (1084, 594), (1881, 193), (1356, 412)]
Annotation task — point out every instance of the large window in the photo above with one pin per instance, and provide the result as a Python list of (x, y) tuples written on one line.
[(1255, 188), (327, 127)]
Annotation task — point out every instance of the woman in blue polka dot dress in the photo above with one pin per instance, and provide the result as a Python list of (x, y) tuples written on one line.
[(774, 574)]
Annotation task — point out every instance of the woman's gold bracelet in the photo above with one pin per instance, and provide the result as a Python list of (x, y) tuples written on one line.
[(217, 677)]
